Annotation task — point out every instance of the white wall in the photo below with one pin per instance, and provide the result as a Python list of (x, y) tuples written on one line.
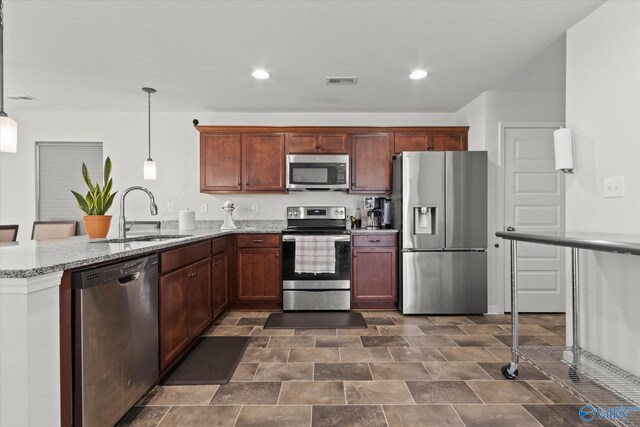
[(603, 109), (484, 115), (175, 148)]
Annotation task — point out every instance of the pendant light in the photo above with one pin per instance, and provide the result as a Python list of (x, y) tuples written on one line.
[(149, 164), (8, 127)]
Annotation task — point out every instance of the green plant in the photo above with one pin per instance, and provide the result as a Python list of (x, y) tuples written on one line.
[(98, 200)]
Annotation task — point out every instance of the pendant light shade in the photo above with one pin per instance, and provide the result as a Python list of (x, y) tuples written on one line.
[(149, 169), (149, 164), (8, 127), (8, 135)]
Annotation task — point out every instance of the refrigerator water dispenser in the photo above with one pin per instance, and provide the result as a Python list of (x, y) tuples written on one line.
[(424, 220)]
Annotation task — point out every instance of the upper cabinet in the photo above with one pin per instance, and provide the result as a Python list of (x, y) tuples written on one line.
[(220, 162), (434, 139), (242, 162), (252, 159), (371, 162), (263, 161), (317, 143)]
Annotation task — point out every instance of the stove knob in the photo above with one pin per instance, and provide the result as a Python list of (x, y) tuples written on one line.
[(295, 213)]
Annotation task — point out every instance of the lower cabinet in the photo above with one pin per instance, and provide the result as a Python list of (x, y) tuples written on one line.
[(220, 276), (258, 268), (374, 272), (185, 308)]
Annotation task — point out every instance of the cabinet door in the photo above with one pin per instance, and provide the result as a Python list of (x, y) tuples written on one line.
[(302, 143), (374, 275), (174, 315), (332, 143), (263, 161), (220, 283), (200, 314), (371, 162), (448, 141), (220, 162), (259, 275), (410, 141)]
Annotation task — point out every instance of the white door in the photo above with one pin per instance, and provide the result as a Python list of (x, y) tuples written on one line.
[(534, 202)]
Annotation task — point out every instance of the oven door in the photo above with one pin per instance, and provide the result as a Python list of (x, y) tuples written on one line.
[(341, 279), (315, 292)]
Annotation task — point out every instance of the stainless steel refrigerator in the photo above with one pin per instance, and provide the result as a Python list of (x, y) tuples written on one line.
[(440, 208)]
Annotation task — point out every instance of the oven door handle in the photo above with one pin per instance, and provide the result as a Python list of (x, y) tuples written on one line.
[(290, 238)]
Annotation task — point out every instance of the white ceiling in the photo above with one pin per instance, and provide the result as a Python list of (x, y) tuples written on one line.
[(199, 55)]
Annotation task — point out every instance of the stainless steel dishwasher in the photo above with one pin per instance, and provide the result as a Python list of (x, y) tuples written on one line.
[(115, 339)]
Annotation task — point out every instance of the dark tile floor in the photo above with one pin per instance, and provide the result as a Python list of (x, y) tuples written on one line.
[(400, 371)]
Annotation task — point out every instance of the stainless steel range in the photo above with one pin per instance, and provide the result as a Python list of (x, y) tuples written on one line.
[(316, 262)]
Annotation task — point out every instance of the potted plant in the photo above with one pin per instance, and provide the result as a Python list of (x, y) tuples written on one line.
[(97, 202)]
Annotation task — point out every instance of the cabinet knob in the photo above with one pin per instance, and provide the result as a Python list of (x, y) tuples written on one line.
[(355, 255), (277, 255), (220, 245), (215, 264)]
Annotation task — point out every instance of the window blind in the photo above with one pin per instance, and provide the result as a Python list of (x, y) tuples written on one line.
[(59, 170)]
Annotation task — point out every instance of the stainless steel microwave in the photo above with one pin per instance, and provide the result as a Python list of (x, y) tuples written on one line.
[(318, 172)]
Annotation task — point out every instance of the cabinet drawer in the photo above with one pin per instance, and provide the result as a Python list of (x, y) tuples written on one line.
[(176, 258), (258, 240), (374, 240), (218, 245)]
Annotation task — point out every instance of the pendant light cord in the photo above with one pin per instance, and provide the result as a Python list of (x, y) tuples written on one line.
[(149, 106)]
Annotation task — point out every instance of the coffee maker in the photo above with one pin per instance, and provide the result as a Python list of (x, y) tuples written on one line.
[(378, 212)]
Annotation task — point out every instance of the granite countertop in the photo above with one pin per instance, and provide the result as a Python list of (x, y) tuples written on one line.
[(35, 258)]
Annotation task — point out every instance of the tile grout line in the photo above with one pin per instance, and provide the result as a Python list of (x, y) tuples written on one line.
[(384, 415), (457, 414), (238, 415), (165, 414)]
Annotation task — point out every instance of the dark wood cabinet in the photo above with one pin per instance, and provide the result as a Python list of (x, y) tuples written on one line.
[(373, 271), (220, 278), (371, 162), (220, 162), (448, 141), (252, 159), (184, 294), (438, 139), (317, 143), (263, 161), (200, 313), (410, 141), (173, 294), (258, 268)]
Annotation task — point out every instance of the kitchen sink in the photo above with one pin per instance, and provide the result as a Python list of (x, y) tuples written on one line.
[(151, 238)]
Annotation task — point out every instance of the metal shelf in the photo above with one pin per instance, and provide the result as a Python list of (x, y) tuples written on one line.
[(591, 379)]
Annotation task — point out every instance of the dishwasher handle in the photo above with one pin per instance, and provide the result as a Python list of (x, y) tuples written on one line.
[(127, 278)]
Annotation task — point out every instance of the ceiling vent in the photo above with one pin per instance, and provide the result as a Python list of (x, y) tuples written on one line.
[(342, 80), (22, 98)]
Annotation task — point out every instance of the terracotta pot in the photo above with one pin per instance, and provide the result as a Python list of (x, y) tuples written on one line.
[(97, 226)]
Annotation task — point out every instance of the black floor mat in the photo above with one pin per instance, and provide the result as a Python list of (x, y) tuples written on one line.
[(211, 361), (316, 320)]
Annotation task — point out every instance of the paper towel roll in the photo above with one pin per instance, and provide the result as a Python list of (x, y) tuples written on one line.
[(186, 219), (563, 149)]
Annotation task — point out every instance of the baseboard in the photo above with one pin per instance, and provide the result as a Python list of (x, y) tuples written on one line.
[(494, 309)]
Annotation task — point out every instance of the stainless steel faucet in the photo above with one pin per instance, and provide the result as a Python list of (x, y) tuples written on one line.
[(122, 231)]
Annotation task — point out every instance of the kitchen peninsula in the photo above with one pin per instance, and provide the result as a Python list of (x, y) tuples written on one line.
[(35, 310)]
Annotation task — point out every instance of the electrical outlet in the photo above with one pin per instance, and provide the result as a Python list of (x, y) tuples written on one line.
[(614, 186), (204, 208), (255, 208), (171, 207)]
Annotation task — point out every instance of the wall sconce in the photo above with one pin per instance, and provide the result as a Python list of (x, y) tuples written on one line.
[(563, 147)]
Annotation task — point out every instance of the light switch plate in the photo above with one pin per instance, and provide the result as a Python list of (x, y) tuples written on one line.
[(614, 186), (255, 208), (171, 207), (204, 208)]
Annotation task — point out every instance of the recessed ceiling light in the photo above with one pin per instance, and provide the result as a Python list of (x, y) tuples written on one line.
[(261, 74), (418, 74)]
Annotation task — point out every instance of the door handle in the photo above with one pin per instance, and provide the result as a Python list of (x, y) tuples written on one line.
[(257, 241), (510, 228), (128, 278), (374, 241)]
